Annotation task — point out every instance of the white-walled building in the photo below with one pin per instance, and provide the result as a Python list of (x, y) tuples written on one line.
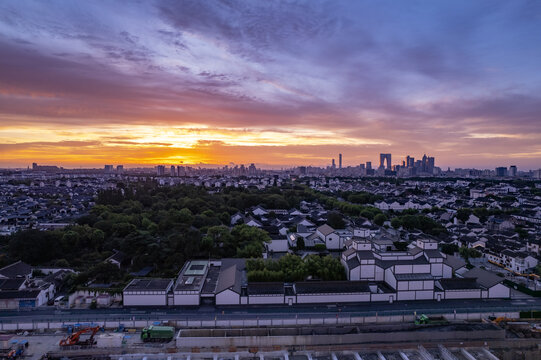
[(376, 271), (147, 292), (421, 272)]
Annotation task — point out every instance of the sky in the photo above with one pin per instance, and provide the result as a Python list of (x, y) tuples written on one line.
[(276, 83)]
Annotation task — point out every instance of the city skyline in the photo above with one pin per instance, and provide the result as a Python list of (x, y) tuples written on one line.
[(275, 84)]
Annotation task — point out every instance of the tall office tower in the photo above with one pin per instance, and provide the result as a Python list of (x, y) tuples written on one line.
[(339, 161), (173, 172), (35, 166), (385, 158), (430, 164), (333, 164), (424, 163), (361, 166), (501, 171), (512, 170), (108, 168), (410, 161), (403, 163), (369, 165), (120, 168), (160, 170)]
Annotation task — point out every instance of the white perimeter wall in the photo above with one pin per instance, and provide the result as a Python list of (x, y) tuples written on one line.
[(383, 297), (499, 291), (227, 297), (145, 300), (266, 299), (462, 294), (186, 299), (332, 298)]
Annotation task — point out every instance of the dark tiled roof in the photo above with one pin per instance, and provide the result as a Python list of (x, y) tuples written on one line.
[(11, 284), (331, 287), (21, 294), (365, 255), (411, 277), (386, 264), (260, 288), (148, 285), (458, 284), (352, 263), (325, 229), (18, 269), (230, 278), (454, 262), (434, 254), (484, 278)]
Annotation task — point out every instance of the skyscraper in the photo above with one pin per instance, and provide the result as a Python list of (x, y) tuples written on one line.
[(512, 170), (501, 171), (108, 168), (173, 172), (385, 158), (180, 170), (369, 165), (339, 161), (120, 168), (160, 170), (430, 165), (410, 161), (333, 164)]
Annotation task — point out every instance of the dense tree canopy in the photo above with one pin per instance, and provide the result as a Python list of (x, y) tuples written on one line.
[(291, 268)]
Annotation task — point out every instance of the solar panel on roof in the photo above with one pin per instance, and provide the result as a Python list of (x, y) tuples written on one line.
[(189, 280)]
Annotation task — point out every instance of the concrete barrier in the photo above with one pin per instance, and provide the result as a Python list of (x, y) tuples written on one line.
[(314, 336), (324, 319)]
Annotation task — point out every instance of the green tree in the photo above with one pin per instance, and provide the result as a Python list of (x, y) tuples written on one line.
[(379, 219), (449, 249), (463, 214), (335, 220), (300, 243)]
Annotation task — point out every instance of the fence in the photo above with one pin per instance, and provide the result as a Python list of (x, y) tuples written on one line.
[(251, 320)]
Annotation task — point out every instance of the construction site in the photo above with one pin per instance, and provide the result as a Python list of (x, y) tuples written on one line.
[(425, 338)]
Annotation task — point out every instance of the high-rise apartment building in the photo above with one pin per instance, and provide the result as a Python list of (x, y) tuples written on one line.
[(181, 171), (339, 161), (160, 170)]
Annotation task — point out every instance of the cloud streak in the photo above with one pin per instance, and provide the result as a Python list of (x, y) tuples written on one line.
[(454, 78)]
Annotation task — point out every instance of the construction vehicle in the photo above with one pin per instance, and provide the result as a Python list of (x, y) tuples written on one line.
[(75, 338), (17, 350), (158, 333), (501, 319), (426, 320)]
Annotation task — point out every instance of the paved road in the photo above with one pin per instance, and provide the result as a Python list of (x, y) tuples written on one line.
[(272, 312)]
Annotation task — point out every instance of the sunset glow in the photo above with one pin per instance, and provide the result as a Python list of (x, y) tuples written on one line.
[(276, 84)]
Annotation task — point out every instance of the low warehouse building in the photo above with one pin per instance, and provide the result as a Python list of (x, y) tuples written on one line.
[(147, 292)]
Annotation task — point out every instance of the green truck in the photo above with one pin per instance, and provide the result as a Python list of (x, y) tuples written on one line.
[(158, 333), (425, 320)]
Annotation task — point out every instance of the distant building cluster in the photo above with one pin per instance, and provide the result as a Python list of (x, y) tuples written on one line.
[(409, 167)]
